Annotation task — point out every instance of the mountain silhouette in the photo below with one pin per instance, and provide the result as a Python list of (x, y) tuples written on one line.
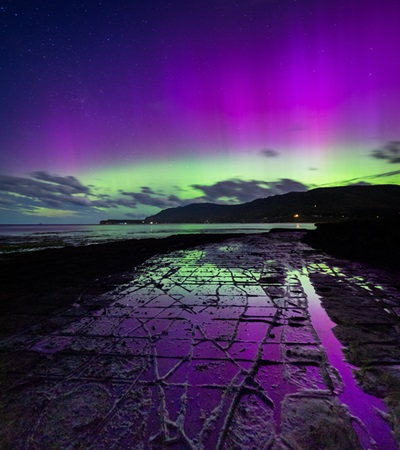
[(316, 205)]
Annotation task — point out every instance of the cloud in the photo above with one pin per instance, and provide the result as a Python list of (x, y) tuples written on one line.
[(114, 203), (361, 180), (389, 151), (178, 188), (147, 190), (240, 191), (269, 153), (373, 177), (152, 199), (67, 191), (43, 190), (6, 201), (69, 181), (386, 174), (285, 185), (360, 183)]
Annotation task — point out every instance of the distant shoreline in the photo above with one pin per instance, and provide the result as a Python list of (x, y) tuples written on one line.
[(146, 222)]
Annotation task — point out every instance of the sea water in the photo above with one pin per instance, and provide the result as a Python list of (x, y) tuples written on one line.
[(34, 237)]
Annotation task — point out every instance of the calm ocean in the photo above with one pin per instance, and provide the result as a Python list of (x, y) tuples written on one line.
[(34, 237)]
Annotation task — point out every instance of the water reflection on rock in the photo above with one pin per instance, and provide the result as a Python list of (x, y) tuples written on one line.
[(224, 346)]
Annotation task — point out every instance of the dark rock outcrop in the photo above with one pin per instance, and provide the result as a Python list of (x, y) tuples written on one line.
[(374, 241)]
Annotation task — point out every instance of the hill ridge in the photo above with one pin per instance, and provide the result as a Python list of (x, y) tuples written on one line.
[(320, 204)]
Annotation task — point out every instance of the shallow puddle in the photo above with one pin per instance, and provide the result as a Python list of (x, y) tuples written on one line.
[(361, 405)]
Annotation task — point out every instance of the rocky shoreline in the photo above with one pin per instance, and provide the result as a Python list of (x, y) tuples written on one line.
[(44, 280), (177, 323), (373, 241), (48, 279), (68, 313)]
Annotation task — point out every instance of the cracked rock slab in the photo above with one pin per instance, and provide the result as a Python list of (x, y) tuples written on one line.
[(211, 347)]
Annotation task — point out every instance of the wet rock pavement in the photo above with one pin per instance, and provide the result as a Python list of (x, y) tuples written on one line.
[(225, 346)]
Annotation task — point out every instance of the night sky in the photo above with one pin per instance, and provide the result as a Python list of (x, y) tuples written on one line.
[(117, 109)]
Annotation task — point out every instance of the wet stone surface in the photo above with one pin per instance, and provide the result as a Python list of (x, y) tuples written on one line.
[(210, 348)]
